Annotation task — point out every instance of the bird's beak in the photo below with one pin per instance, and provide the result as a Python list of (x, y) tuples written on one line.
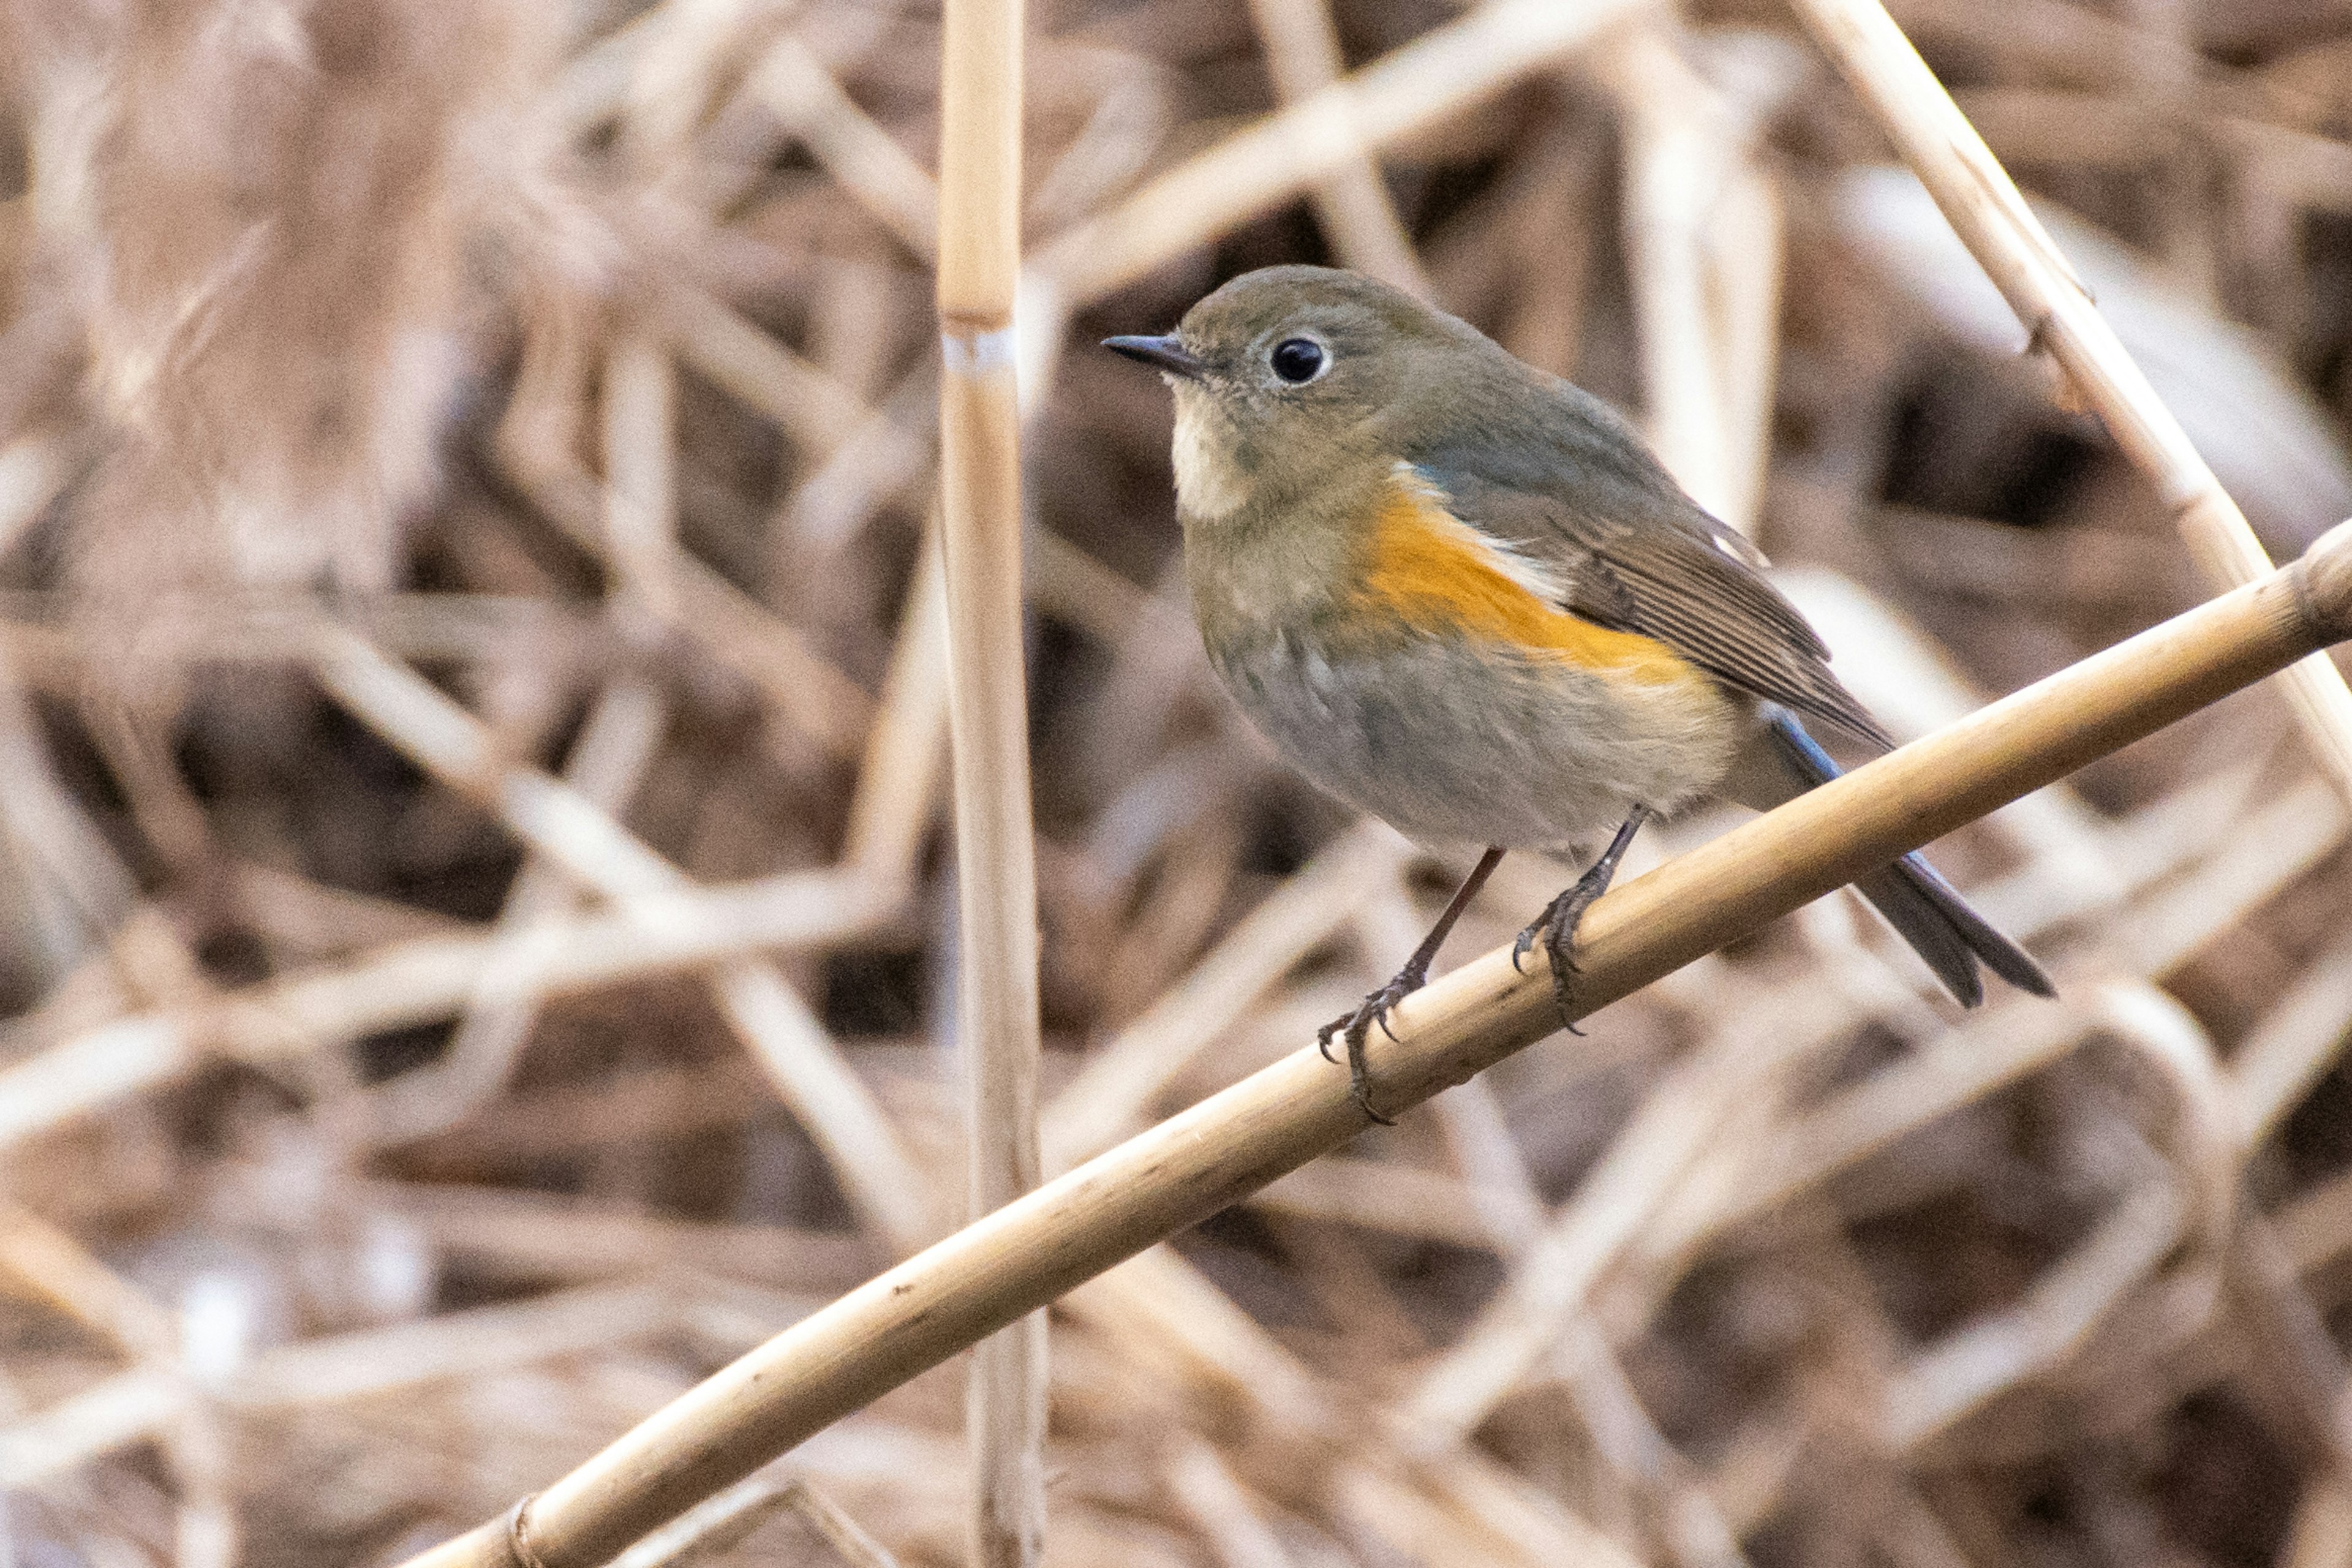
[(1165, 353)]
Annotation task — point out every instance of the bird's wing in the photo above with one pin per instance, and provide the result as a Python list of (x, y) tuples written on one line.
[(1629, 550)]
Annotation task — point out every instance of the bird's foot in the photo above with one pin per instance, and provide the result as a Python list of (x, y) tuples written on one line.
[(1556, 929), (1357, 1028), (1557, 925)]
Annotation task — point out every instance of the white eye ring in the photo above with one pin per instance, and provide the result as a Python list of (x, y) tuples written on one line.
[(1299, 361)]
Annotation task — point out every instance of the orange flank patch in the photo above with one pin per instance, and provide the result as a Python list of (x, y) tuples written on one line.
[(1431, 571)]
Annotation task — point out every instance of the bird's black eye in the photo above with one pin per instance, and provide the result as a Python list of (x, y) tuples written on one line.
[(1297, 360)]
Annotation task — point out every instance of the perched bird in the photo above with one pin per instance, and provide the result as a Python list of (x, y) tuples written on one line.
[(1460, 593)]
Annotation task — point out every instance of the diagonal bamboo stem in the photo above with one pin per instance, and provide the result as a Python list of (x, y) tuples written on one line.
[(1990, 215), (1021, 1256), (615, 748), (872, 167)]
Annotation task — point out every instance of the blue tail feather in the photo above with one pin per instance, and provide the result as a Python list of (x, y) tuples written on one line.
[(1925, 909)]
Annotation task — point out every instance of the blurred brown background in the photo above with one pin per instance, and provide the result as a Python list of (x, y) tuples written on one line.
[(402, 402)]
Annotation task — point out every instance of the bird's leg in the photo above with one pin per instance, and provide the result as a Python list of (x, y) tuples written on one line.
[(1557, 925), (1357, 1027)]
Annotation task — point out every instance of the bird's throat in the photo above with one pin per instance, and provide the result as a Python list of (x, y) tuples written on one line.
[(1211, 482)]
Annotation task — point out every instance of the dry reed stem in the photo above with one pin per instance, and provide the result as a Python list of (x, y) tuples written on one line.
[(671, 74), (1438, 75), (426, 979), (1302, 54), (980, 165), (1161, 1310), (615, 747), (840, 1531), (721, 1522), (1208, 1493), (1378, 1195), (888, 454), (267, 625), (1111, 1093), (640, 482), (1680, 1119), (79, 887), (47, 1263), (113, 1413), (1702, 234), (140, 1404), (878, 1173), (1984, 206), (988, 726), (739, 631), (711, 335), (524, 1234), (1750, 1175), (1647, 1465), (704, 605), (2277, 1065), (897, 788), (32, 471), (714, 1525), (1022, 1256), (872, 167), (2265, 853)]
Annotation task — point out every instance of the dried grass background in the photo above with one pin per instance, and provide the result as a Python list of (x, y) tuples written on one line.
[(477, 933)]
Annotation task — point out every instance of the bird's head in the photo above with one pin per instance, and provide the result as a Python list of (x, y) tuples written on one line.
[(1286, 374)]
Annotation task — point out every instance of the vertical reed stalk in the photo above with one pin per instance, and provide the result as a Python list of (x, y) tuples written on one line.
[(1702, 236), (980, 464), (640, 478)]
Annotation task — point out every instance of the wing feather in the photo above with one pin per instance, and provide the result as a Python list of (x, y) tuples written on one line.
[(1578, 495)]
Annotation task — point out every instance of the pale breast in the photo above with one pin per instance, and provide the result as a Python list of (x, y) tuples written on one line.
[(1454, 745)]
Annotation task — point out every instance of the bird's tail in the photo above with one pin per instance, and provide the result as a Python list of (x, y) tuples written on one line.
[(1926, 910)]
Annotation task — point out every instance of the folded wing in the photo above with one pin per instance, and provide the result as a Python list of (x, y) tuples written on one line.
[(1630, 551)]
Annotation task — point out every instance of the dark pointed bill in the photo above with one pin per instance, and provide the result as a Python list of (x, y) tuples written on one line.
[(1166, 352)]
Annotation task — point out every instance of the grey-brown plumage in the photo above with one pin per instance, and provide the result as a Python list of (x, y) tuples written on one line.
[(1460, 592)]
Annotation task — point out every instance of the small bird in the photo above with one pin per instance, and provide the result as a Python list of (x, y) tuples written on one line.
[(1460, 593)]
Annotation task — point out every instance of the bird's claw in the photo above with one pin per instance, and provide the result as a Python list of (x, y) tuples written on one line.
[(1556, 926), (1357, 1028), (1560, 945)]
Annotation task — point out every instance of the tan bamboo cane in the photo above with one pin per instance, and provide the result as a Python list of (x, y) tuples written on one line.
[(988, 724), (1018, 1259), (1992, 219)]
